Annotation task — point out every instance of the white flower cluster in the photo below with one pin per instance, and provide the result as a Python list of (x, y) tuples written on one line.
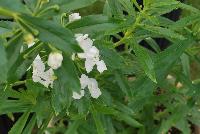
[(92, 85), (46, 78), (90, 54), (92, 58)]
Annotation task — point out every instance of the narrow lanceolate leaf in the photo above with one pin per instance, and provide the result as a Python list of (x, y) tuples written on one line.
[(112, 59), (28, 129), (98, 122), (73, 127), (185, 21), (123, 84), (75, 4), (67, 81), (91, 25), (165, 32), (3, 63), (145, 61), (22, 62), (19, 125), (16, 6), (167, 58), (128, 120), (52, 33), (6, 28)]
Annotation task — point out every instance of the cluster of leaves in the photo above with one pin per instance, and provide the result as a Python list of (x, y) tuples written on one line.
[(143, 91)]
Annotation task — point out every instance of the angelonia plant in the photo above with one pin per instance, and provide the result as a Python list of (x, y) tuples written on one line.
[(96, 66)]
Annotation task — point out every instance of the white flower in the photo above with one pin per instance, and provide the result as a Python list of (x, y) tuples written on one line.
[(46, 78), (89, 64), (93, 88), (93, 52), (84, 81), (78, 95), (84, 41), (74, 17), (101, 66), (90, 54), (55, 60), (92, 85)]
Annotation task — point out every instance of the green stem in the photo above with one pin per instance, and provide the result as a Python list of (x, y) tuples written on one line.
[(6, 12), (37, 46), (18, 83), (129, 31), (56, 7)]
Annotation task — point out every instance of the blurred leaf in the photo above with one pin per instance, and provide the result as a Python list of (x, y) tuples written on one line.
[(73, 127), (20, 124), (97, 120), (145, 61), (29, 127), (3, 63), (163, 31), (60, 37), (67, 82)]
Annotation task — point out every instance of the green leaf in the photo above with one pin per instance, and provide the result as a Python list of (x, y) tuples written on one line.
[(6, 28), (128, 120), (60, 37), (185, 21), (97, 120), (178, 113), (112, 59), (19, 125), (145, 61), (92, 26), (166, 59), (23, 62), (13, 48), (68, 5), (17, 6), (3, 63), (67, 82), (123, 83), (128, 5), (163, 31), (153, 44), (73, 127), (185, 64), (28, 129)]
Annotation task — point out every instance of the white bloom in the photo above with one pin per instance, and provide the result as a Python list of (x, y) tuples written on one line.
[(92, 85), (84, 41), (89, 64), (93, 88), (90, 54), (101, 66), (46, 78), (55, 60), (74, 17), (93, 52), (78, 95), (84, 81)]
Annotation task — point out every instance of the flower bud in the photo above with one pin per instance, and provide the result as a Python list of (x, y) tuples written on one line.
[(55, 60), (74, 17), (29, 39)]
